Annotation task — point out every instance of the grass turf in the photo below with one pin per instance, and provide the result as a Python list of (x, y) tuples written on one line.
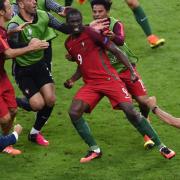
[(123, 153)]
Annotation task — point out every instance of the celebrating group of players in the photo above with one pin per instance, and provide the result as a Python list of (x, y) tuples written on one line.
[(104, 61)]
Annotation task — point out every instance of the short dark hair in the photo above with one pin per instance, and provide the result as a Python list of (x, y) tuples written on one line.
[(72, 11), (106, 3), (2, 7)]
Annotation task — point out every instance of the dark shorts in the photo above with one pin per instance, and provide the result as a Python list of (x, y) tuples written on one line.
[(31, 78)]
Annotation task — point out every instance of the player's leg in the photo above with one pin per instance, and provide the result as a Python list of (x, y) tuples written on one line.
[(23, 103), (6, 125), (142, 20), (168, 118), (143, 126), (84, 101), (144, 109), (20, 77), (75, 112), (7, 111), (138, 92), (45, 84), (9, 98), (49, 98), (37, 104)]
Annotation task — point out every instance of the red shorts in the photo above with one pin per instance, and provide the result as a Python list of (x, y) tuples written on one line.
[(135, 89), (114, 90), (7, 96)]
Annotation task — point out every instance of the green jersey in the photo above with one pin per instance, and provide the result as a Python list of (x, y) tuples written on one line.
[(127, 52), (34, 30), (50, 33)]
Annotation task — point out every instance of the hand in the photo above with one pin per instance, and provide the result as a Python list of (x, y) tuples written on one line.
[(100, 24), (109, 33), (37, 44), (68, 84), (18, 129), (19, 28), (22, 26), (151, 102), (69, 57), (64, 11)]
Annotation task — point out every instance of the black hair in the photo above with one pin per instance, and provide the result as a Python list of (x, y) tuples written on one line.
[(2, 7), (72, 11), (106, 3)]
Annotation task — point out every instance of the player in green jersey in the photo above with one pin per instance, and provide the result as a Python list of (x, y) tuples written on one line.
[(31, 72)]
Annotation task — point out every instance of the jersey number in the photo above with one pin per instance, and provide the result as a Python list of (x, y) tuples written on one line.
[(79, 57)]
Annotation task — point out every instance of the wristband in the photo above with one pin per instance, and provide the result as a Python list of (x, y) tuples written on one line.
[(154, 108)]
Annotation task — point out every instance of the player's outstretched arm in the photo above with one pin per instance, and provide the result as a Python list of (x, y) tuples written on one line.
[(59, 26), (34, 44), (164, 116)]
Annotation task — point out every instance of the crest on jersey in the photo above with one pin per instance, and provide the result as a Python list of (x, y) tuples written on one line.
[(29, 33)]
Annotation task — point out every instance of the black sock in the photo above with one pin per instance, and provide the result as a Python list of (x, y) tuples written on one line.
[(42, 116), (23, 103)]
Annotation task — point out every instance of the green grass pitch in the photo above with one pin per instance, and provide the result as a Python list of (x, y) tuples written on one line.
[(124, 157)]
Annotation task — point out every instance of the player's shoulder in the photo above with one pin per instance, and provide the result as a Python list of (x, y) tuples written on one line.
[(68, 39), (90, 32)]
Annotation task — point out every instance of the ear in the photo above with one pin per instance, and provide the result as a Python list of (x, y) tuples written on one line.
[(21, 5), (2, 12)]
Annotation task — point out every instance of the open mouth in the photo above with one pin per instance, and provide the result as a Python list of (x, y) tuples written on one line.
[(76, 29)]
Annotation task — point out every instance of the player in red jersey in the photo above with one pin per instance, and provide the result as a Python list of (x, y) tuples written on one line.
[(115, 31), (8, 106), (88, 49)]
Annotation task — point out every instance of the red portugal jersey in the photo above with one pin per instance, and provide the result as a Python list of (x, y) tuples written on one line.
[(88, 49), (3, 46)]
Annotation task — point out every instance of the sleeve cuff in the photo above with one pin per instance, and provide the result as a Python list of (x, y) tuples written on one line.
[(16, 135)]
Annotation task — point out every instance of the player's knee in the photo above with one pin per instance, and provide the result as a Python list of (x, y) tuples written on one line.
[(130, 112), (132, 3), (37, 105), (50, 101), (5, 119), (74, 114)]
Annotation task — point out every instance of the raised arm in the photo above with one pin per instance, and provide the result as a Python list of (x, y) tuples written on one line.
[(59, 26)]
